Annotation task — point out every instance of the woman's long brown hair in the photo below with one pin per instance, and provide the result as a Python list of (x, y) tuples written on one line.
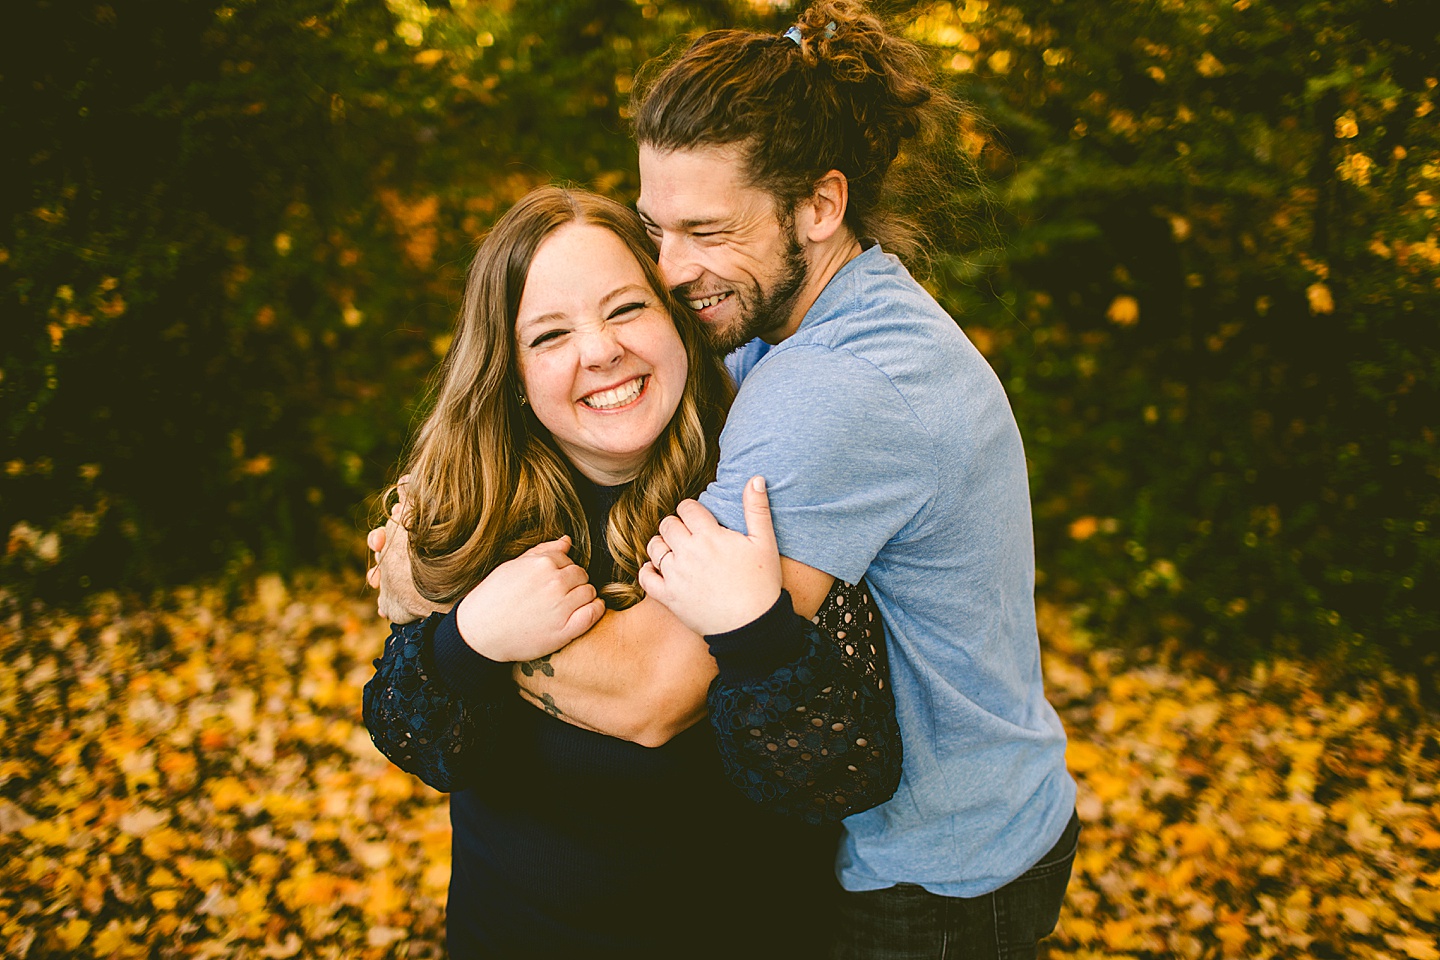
[(486, 480)]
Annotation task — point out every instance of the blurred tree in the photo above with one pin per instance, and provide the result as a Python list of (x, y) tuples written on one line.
[(231, 242), (1215, 312), (232, 238)]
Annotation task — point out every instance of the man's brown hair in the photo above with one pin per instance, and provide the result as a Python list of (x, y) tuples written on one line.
[(842, 96)]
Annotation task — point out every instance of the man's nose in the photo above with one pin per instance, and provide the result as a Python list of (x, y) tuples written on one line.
[(678, 265)]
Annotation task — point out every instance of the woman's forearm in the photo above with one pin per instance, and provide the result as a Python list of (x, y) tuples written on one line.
[(803, 713), (433, 729)]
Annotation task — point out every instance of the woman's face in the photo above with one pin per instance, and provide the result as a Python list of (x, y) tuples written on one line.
[(601, 362)]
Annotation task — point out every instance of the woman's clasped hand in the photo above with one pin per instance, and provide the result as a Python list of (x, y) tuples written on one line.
[(531, 606), (713, 578)]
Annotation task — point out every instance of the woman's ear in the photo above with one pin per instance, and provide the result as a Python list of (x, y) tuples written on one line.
[(824, 212)]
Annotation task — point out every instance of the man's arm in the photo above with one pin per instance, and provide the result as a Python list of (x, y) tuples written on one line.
[(640, 674)]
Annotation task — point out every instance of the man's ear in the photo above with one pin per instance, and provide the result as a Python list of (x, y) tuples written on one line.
[(824, 212)]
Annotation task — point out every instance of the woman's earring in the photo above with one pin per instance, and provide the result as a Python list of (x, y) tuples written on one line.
[(521, 397)]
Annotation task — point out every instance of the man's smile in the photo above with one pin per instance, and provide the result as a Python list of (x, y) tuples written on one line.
[(709, 301)]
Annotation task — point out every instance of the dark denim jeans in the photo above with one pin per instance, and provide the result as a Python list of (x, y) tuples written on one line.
[(907, 922)]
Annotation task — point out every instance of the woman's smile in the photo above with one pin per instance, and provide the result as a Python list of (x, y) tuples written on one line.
[(616, 398)]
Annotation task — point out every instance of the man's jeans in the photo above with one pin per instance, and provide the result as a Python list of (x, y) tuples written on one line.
[(907, 922)]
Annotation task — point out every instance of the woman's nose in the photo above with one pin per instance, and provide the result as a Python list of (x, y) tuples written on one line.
[(600, 348)]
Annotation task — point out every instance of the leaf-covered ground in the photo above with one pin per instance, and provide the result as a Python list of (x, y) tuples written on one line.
[(191, 779)]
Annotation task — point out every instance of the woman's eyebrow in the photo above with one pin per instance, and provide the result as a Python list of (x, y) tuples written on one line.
[(628, 289), (523, 322)]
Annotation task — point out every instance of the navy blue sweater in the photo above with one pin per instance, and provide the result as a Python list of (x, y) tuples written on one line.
[(569, 844)]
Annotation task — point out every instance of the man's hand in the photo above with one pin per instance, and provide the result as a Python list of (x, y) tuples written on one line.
[(712, 578), (531, 606), (399, 601)]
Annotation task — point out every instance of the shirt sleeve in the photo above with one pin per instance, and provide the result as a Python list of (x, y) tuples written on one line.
[(803, 712), (847, 463), (442, 731)]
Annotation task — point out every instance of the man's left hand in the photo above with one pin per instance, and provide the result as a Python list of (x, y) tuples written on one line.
[(715, 579)]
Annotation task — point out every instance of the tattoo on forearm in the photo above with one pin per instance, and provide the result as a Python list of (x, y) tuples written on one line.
[(538, 665), (548, 702)]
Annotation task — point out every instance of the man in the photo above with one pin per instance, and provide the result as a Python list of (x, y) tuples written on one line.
[(890, 451)]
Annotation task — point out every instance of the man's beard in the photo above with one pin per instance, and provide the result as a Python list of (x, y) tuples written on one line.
[(765, 310)]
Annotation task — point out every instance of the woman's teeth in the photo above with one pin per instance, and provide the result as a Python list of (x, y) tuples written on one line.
[(616, 396), (707, 301)]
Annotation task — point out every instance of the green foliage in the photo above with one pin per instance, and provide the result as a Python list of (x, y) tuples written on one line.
[(232, 238), (1215, 314)]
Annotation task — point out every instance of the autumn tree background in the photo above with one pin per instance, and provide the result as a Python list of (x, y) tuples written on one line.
[(1202, 255)]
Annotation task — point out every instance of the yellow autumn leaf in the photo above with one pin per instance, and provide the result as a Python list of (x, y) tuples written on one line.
[(161, 877), (1233, 936), (73, 932), (1358, 915), (1080, 929), (1118, 934), (1418, 949), (159, 844), (202, 872), (1363, 832), (251, 900), (53, 833), (228, 793), (112, 940), (1124, 311), (1108, 786), (1267, 836), (1318, 294), (1082, 756)]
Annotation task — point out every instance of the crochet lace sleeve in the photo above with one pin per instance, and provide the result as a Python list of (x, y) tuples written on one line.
[(438, 731), (813, 737)]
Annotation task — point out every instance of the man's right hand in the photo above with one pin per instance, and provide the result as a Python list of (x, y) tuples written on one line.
[(399, 601)]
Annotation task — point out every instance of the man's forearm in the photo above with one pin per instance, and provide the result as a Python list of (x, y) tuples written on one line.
[(638, 674)]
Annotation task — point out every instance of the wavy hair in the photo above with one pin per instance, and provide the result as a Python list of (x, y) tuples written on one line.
[(487, 481)]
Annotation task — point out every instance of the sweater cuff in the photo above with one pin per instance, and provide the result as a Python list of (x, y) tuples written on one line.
[(460, 668), (762, 646)]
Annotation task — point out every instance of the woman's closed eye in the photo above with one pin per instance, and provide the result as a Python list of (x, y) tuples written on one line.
[(547, 336), (627, 310)]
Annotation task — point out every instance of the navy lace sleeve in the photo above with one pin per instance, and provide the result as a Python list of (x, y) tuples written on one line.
[(433, 729), (803, 712)]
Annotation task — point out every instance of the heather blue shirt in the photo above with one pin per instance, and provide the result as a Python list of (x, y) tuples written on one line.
[(891, 452)]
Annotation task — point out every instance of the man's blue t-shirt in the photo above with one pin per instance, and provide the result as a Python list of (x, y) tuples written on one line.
[(890, 452)]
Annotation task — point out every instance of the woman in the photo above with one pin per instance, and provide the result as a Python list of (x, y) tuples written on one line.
[(577, 406)]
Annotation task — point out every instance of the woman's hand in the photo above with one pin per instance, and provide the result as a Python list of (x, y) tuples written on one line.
[(715, 579), (531, 606)]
